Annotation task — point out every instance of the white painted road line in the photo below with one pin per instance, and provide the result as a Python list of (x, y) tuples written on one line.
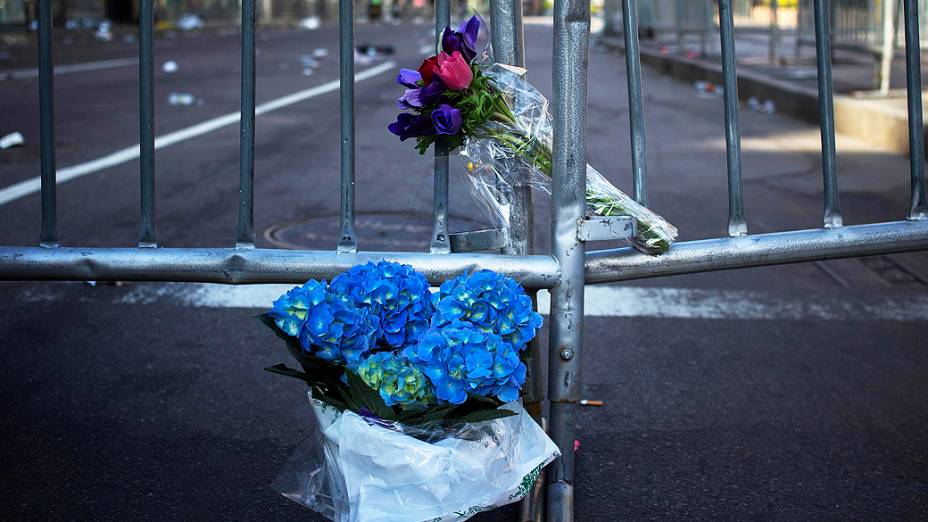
[(23, 74), (601, 301), (33, 185)]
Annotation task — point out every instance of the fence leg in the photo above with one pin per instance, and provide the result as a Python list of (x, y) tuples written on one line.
[(568, 184), (887, 48), (507, 36)]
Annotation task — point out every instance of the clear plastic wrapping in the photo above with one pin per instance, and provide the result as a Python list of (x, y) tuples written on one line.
[(498, 157), (357, 468)]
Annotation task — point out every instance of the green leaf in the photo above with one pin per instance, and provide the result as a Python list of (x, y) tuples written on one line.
[(431, 415), (486, 415), (368, 397), (283, 369), (293, 344)]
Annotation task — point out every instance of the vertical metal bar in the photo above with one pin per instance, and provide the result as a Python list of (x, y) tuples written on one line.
[(568, 185), (148, 235), (246, 198), (678, 8), (774, 38), (797, 51), (913, 78), (708, 26), (347, 242), (508, 47), (48, 234), (736, 223), (826, 111), (635, 101), (887, 48), (440, 243)]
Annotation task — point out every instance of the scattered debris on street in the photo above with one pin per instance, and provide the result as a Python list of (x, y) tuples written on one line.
[(169, 67), (310, 23), (709, 89), (189, 22), (765, 107), (183, 99), (14, 139), (588, 402)]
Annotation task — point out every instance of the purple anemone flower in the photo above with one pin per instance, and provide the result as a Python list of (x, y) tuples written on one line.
[(446, 119), (464, 39), (411, 126), (409, 78), (417, 98)]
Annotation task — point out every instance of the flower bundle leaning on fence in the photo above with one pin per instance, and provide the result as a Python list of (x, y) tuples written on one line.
[(416, 393), (495, 116)]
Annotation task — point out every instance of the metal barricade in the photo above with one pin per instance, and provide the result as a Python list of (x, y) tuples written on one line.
[(867, 26), (565, 270)]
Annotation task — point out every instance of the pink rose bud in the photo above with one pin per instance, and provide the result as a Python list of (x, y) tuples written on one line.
[(454, 71)]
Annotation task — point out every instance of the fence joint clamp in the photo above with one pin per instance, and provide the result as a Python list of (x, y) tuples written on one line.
[(603, 228)]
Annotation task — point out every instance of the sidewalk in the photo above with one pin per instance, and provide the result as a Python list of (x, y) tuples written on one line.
[(792, 84)]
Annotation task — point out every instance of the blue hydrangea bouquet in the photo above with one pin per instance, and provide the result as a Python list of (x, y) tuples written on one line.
[(416, 394)]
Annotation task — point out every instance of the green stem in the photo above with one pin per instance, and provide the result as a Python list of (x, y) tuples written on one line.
[(537, 155)]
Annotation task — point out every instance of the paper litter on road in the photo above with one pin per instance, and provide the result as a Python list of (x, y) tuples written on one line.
[(310, 23), (181, 98), (320, 52), (169, 66), (14, 139), (189, 22), (766, 107)]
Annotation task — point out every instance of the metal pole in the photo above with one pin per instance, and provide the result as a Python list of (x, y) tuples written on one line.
[(797, 56), (568, 186), (887, 48), (678, 8), (508, 47), (347, 242), (246, 215), (440, 243), (48, 234), (913, 78), (774, 38), (635, 100), (736, 223), (148, 235), (826, 111)]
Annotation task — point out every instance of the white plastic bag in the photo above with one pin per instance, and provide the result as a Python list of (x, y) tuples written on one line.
[(362, 469)]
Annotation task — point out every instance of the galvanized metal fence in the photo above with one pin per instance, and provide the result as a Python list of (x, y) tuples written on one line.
[(565, 270)]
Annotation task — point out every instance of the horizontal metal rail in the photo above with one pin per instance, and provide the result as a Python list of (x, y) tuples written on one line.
[(623, 264), (248, 266)]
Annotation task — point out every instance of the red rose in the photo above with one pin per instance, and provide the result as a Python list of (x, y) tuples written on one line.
[(428, 69), (454, 71)]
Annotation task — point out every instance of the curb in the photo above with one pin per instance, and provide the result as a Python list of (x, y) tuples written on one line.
[(865, 119)]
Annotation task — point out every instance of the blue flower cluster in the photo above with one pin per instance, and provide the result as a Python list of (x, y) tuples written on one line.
[(397, 380), (493, 303), (462, 360), (325, 324), (415, 348), (395, 293)]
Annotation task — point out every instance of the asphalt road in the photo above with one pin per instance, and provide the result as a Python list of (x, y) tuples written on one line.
[(794, 392)]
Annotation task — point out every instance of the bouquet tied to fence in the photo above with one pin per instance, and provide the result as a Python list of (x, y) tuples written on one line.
[(497, 118), (416, 394)]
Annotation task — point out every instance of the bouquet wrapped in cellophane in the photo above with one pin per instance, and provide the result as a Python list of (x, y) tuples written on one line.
[(462, 100), (416, 395)]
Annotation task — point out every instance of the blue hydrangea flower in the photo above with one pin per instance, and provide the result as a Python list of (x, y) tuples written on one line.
[(328, 327), (398, 295), (396, 379), (461, 359), (493, 303), (290, 310)]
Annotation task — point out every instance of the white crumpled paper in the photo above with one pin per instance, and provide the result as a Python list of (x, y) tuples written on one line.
[(360, 470)]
